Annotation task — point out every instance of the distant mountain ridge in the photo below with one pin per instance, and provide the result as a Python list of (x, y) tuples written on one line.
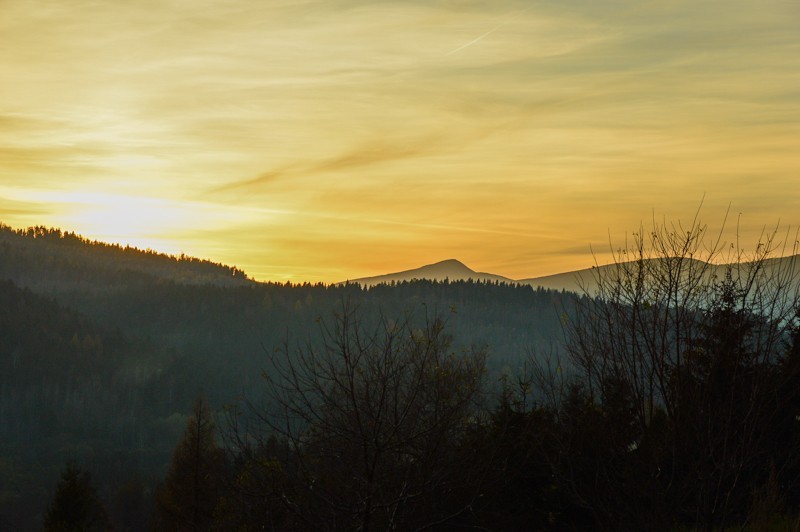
[(50, 260), (455, 270), (579, 281), (450, 270)]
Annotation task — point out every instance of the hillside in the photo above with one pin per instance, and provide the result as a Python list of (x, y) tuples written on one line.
[(50, 259), (105, 349), (73, 389)]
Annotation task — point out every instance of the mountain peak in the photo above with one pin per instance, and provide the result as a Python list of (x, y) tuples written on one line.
[(450, 269), (449, 265)]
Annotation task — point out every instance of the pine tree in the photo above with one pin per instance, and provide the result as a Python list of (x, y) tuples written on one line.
[(189, 496), (75, 505)]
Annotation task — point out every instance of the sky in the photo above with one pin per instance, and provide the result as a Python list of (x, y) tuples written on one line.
[(336, 139)]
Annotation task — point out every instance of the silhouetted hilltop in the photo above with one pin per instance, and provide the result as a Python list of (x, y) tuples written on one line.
[(579, 281), (585, 281), (50, 259), (451, 269)]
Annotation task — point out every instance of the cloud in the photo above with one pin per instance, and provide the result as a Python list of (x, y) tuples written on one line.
[(368, 154), (449, 123), (256, 182), (377, 153), (12, 210)]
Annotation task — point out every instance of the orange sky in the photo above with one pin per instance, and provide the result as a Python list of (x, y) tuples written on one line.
[(320, 141)]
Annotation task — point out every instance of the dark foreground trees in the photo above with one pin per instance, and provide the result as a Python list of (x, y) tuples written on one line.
[(190, 499), (369, 430), (675, 407), (75, 504), (683, 396)]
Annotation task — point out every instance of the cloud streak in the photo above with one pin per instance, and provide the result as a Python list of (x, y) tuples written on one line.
[(367, 155), (473, 41), (400, 129)]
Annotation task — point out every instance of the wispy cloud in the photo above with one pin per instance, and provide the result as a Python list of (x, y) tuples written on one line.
[(406, 128), (367, 155), (32, 212)]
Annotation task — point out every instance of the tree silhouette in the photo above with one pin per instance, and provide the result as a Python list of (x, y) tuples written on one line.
[(373, 421), (189, 497), (75, 505), (681, 361)]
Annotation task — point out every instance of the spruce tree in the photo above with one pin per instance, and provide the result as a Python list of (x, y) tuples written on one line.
[(75, 505), (189, 496)]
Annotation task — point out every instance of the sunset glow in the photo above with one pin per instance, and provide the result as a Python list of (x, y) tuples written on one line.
[(321, 141)]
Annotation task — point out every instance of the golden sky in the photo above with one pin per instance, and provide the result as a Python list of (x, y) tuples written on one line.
[(335, 139)]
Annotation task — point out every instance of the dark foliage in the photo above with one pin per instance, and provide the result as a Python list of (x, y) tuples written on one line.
[(103, 350), (683, 402), (672, 405), (189, 498), (370, 430), (75, 505)]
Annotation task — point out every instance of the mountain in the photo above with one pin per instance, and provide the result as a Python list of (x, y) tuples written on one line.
[(574, 281), (579, 281), (451, 269), (585, 281), (454, 270)]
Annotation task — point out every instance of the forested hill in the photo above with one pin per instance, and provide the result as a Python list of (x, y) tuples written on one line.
[(73, 390), (104, 349), (54, 260), (213, 314)]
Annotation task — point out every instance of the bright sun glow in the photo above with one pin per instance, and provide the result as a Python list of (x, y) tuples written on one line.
[(320, 141), (130, 220)]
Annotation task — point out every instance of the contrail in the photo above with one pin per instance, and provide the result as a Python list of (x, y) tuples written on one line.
[(473, 41), (477, 39)]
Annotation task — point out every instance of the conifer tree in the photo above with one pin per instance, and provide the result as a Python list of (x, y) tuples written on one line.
[(189, 497), (75, 505)]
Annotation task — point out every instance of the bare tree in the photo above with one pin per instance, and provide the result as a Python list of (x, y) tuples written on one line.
[(679, 344), (367, 427)]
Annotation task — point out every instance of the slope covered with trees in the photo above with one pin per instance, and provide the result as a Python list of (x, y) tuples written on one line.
[(673, 406), (105, 349), (49, 259), (666, 400), (384, 425)]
